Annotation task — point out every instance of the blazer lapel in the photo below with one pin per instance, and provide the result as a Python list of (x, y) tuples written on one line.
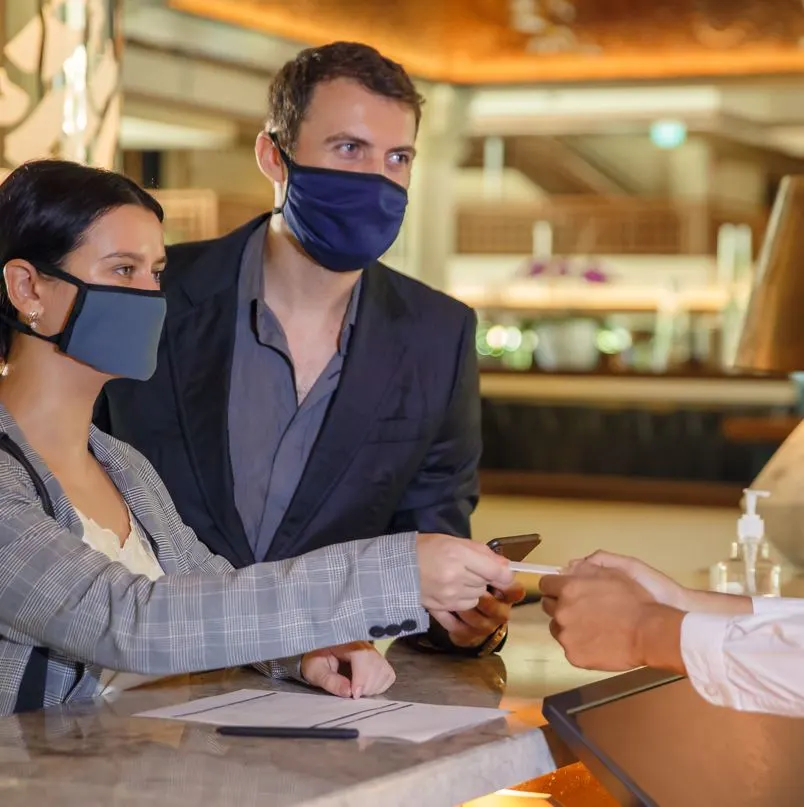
[(201, 344), (64, 510), (375, 354)]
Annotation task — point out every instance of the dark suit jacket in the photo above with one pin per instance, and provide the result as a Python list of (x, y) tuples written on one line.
[(399, 447)]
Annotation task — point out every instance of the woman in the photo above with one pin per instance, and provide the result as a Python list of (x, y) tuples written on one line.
[(98, 575)]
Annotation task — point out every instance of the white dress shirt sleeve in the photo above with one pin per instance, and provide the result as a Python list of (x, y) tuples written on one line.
[(752, 663)]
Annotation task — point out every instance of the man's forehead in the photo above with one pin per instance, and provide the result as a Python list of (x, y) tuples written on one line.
[(343, 106)]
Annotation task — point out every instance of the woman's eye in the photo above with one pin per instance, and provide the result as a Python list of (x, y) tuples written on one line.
[(157, 276), (125, 271)]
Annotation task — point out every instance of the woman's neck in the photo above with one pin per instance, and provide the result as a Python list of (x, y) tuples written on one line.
[(52, 399)]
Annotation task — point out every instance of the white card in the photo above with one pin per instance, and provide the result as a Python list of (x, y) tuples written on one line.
[(534, 568)]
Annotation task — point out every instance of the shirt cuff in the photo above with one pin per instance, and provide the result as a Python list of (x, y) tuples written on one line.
[(702, 639), (778, 605), (283, 668)]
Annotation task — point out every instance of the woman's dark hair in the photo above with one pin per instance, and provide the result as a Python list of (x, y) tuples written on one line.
[(46, 208)]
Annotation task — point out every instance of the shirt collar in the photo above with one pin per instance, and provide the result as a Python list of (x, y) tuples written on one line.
[(267, 327), (351, 317)]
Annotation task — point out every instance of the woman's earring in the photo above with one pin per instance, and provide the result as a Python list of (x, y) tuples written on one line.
[(33, 320)]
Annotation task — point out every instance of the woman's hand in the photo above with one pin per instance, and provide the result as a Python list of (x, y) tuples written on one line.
[(455, 572), (348, 670)]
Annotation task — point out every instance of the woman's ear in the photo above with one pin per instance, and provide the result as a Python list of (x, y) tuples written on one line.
[(23, 286)]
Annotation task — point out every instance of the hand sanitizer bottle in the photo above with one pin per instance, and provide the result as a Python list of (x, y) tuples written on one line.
[(768, 573), (728, 576), (750, 569), (751, 533)]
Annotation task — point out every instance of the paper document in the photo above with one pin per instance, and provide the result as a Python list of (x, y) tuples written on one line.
[(415, 722), (533, 568)]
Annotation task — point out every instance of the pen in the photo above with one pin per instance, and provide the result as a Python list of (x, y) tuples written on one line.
[(289, 732)]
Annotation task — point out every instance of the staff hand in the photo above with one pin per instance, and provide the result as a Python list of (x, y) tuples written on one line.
[(658, 585), (596, 616)]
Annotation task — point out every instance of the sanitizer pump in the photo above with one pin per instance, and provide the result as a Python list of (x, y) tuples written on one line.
[(750, 569), (751, 534)]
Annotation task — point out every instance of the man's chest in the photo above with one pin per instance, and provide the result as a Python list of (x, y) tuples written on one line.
[(309, 359), (309, 346)]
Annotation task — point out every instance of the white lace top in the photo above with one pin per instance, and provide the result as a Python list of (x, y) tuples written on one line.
[(137, 555)]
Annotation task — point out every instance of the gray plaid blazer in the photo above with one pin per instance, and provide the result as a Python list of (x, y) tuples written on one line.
[(58, 593)]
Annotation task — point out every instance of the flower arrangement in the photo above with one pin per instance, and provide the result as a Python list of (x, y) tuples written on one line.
[(564, 267)]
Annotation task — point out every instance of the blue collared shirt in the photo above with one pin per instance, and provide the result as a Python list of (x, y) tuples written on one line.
[(271, 434)]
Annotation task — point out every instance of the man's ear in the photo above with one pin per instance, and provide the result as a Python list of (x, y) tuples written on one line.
[(269, 159)]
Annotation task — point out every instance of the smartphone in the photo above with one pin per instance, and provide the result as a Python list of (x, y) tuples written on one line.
[(515, 547)]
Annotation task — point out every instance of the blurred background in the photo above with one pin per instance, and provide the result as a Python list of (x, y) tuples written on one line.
[(594, 177)]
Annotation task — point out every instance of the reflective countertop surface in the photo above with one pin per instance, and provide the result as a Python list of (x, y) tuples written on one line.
[(98, 754)]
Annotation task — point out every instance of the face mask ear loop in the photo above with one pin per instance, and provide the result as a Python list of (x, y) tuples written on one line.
[(30, 329), (288, 167)]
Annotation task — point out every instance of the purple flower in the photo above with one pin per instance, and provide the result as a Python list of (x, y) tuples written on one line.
[(594, 276), (563, 267)]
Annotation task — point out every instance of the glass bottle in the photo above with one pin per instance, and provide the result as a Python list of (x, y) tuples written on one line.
[(728, 576), (731, 576), (768, 574)]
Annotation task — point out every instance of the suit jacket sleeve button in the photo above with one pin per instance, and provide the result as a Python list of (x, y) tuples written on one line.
[(408, 625), (376, 632), (393, 630)]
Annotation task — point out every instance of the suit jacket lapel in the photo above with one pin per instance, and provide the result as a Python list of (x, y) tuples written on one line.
[(201, 344), (375, 353), (201, 381)]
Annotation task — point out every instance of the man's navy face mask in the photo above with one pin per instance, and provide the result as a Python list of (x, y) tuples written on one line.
[(344, 220), (114, 329)]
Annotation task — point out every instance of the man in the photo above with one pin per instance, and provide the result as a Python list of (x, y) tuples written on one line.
[(615, 613), (307, 394)]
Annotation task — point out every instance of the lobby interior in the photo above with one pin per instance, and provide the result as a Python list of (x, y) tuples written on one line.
[(594, 177)]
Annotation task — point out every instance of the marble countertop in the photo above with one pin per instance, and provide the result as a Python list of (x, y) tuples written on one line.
[(98, 754)]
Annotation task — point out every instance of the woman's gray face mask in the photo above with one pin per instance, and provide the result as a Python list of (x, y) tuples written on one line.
[(114, 329)]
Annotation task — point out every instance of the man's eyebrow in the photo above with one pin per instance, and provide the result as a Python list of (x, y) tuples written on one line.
[(411, 150), (339, 136), (361, 141)]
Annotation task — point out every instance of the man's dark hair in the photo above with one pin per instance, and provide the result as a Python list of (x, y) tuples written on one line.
[(293, 86)]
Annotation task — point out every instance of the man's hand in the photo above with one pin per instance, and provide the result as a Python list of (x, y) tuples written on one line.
[(472, 628), (348, 670), (454, 572), (604, 620)]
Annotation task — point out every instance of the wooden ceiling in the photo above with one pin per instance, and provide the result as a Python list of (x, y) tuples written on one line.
[(515, 41)]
